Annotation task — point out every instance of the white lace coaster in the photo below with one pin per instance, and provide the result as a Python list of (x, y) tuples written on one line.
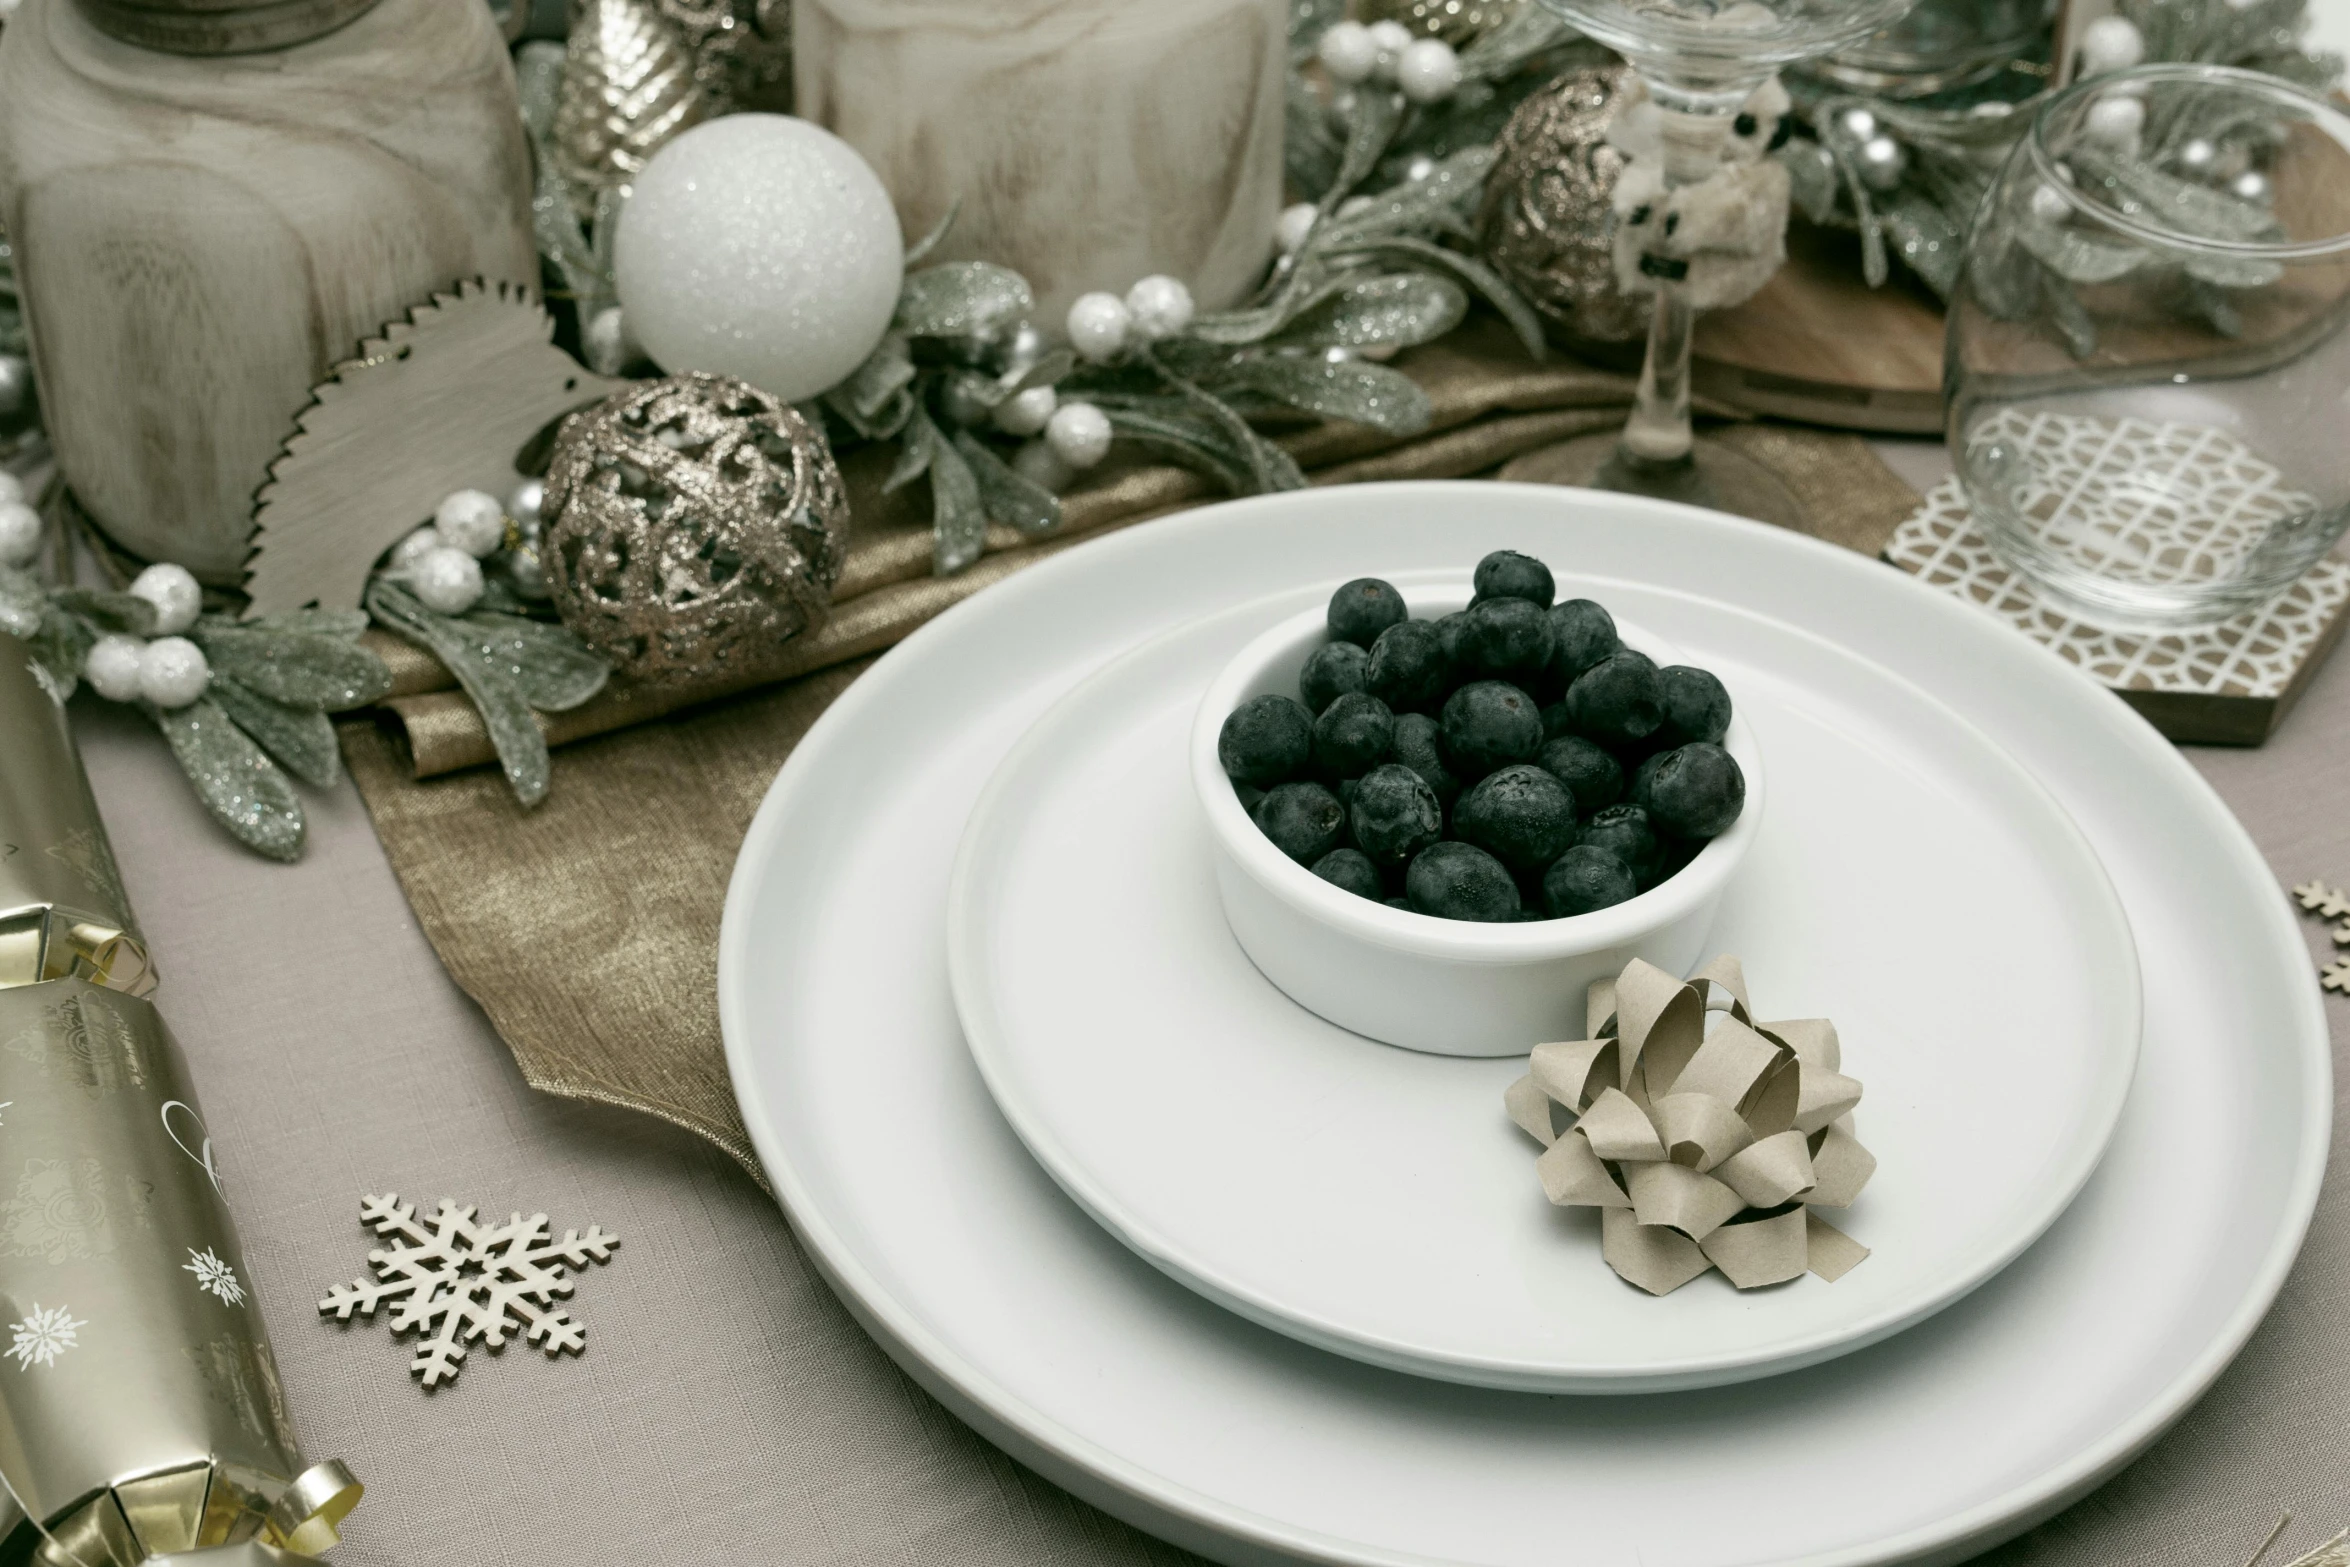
[(2254, 659)]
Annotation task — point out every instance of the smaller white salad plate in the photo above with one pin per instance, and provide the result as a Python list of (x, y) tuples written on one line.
[(1909, 881), (1454, 987)]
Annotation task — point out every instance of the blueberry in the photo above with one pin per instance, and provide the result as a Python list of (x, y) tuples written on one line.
[(1416, 746), (1404, 904), (1521, 815), (1362, 609), (1673, 856), (1352, 735), (1448, 634), (1696, 706), (1249, 794), (1409, 669), (1585, 634), (1352, 870), (1592, 776), (1304, 820), (1459, 881), (1489, 724), (1584, 878), (1332, 670), (1506, 574), (1624, 831), (1395, 815), (1696, 791), (1557, 719), (1505, 639), (1617, 699), (1266, 741)]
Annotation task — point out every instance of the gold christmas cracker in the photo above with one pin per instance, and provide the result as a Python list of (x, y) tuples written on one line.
[(141, 1414), (1701, 1148), (62, 909)]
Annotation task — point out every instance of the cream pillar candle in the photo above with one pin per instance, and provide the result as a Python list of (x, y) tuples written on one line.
[(200, 237), (1090, 142)]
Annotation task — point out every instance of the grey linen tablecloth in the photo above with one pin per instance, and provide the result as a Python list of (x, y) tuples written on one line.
[(728, 1408)]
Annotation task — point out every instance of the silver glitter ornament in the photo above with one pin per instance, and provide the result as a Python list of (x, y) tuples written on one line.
[(1458, 22), (1546, 224), (691, 524)]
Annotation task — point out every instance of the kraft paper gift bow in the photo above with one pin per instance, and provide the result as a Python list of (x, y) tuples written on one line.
[(1700, 1149), (141, 1418)]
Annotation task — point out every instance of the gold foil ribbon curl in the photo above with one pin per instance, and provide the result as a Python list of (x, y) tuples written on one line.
[(1701, 1147)]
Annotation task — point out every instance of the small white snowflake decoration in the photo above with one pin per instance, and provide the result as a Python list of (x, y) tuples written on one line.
[(42, 1336), (214, 1277), (2329, 903), (456, 1280)]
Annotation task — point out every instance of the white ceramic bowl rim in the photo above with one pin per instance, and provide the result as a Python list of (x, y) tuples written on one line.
[(1467, 941)]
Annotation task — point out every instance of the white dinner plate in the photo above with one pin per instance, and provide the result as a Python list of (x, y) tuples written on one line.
[(1005, 1300), (1377, 1201)]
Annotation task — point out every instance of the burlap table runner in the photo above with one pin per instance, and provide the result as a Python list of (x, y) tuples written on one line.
[(587, 928)]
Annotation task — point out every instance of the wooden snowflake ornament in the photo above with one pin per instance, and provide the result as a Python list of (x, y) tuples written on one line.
[(2328, 903), (456, 1280), (443, 401)]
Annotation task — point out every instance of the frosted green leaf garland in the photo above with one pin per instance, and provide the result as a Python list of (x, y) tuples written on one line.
[(511, 667)]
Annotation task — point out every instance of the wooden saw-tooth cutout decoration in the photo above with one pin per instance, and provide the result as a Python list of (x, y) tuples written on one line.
[(441, 401)]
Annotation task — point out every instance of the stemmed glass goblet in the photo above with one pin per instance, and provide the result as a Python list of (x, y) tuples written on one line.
[(1700, 60)]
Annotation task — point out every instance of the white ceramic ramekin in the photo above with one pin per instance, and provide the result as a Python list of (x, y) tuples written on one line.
[(1451, 987)]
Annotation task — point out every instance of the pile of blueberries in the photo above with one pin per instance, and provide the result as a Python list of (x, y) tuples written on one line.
[(1512, 761)]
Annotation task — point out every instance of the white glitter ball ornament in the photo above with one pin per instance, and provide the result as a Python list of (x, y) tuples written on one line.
[(1348, 53), (1025, 413), (2111, 43), (1160, 306), (173, 592), (759, 246), (112, 667), (172, 672), (11, 487), (20, 533), (447, 580), (1079, 434), (1428, 71), (1098, 326), (472, 521)]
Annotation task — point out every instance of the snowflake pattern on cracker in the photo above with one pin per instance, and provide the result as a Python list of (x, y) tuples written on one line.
[(43, 1334), (1701, 1147), (455, 1280)]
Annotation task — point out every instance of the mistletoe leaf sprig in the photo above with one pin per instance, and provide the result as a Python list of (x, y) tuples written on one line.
[(254, 710), (511, 665), (1920, 204)]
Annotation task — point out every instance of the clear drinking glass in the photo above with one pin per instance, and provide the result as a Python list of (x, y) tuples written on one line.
[(1701, 60), (1940, 45), (2147, 370)]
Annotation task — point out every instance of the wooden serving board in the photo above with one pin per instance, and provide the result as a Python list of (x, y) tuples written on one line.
[(1818, 344)]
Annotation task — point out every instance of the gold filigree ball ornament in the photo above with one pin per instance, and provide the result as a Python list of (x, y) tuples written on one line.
[(1546, 224), (691, 524)]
